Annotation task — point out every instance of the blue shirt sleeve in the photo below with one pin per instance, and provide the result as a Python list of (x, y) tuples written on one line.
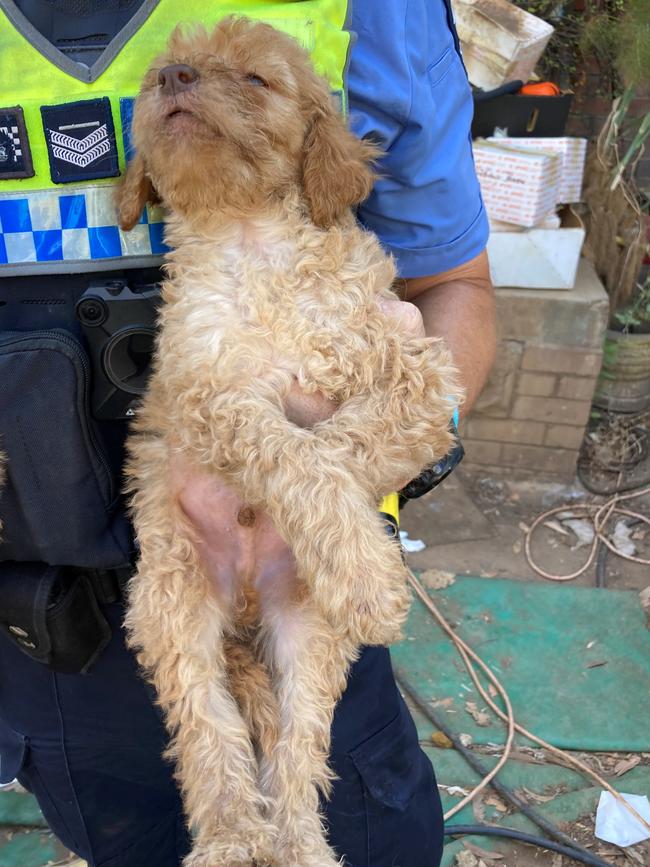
[(408, 90)]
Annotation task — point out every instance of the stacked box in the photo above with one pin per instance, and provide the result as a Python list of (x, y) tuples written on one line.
[(519, 185), (572, 153), (500, 41)]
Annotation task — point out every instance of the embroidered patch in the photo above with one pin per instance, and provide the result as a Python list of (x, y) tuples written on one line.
[(80, 140), (126, 114), (15, 156)]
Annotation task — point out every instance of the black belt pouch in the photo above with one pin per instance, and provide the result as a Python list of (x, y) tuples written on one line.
[(59, 503), (51, 613)]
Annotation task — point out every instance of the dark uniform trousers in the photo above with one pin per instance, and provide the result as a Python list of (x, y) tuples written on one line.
[(89, 748)]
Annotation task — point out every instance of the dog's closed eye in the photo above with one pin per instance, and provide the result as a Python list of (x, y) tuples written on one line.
[(256, 80)]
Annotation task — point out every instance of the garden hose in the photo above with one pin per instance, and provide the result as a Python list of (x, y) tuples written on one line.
[(476, 765), (510, 833)]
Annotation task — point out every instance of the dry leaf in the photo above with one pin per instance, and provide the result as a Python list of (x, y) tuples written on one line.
[(539, 799), (482, 853), (465, 858), (557, 860), (495, 801), (636, 856), (590, 644), (478, 808), (479, 716), (523, 527), (492, 690), (442, 702), (454, 790), (465, 739), (516, 548), (440, 739), (436, 579), (626, 765), (644, 599)]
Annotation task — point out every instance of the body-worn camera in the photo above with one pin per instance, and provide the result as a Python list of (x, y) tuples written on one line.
[(119, 324)]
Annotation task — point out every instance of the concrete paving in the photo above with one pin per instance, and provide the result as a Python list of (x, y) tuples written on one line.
[(474, 523)]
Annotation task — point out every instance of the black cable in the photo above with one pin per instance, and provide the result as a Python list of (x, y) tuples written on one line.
[(492, 831), (601, 558), (480, 769)]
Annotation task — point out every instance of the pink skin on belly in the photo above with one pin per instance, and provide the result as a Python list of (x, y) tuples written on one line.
[(237, 545)]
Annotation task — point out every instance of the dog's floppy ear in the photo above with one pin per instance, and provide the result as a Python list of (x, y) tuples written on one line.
[(133, 193), (336, 168)]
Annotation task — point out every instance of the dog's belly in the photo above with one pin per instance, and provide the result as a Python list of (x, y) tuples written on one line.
[(239, 546)]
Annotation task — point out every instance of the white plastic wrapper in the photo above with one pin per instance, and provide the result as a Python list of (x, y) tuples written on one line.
[(411, 545), (615, 824)]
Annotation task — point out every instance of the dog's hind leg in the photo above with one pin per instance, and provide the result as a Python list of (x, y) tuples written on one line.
[(177, 624), (323, 511), (309, 666)]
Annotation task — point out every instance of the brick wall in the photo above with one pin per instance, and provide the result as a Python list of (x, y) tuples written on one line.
[(590, 108), (532, 414)]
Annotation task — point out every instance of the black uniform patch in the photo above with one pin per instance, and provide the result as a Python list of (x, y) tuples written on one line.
[(15, 156), (80, 140)]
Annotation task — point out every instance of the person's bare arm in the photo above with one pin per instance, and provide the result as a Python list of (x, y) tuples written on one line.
[(458, 305)]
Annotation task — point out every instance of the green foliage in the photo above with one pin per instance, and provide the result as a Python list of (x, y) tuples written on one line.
[(637, 313), (615, 32), (633, 56)]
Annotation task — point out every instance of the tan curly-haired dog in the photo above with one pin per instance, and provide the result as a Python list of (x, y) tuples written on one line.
[(270, 281)]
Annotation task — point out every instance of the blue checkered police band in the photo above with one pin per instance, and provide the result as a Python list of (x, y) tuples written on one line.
[(55, 230), (15, 155), (80, 140)]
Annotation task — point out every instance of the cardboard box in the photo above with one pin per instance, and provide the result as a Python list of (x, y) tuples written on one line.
[(520, 115), (518, 185), (537, 258), (500, 41), (572, 153)]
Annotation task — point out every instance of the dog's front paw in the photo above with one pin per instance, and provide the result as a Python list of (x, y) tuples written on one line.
[(373, 617)]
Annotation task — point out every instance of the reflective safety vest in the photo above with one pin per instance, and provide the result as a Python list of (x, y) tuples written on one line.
[(65, 128)]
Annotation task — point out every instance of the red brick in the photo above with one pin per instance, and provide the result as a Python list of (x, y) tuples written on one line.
[(564, 436), (560, 359), (536, 384), (552, 409), (506, 430), (548, 460), (576, 387), (479, 452)]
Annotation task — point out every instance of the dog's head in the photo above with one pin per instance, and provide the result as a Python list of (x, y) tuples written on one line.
[(230, 119)]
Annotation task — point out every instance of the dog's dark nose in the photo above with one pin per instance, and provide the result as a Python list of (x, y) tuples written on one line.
[(173, 79)]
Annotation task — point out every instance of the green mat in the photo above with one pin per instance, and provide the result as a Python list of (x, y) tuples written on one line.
[(575, 661)]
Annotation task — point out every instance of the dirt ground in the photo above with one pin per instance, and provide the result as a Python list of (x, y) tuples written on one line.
[(476, 524)]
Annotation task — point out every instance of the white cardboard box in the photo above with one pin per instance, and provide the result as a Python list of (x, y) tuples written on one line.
[(572, 153), (518, 185), (537, 258), (500, 41)]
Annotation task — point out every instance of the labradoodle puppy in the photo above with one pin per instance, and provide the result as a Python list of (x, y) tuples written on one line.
[(271, 282)]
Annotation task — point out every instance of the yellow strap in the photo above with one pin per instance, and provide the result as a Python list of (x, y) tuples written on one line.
[(390, 506)]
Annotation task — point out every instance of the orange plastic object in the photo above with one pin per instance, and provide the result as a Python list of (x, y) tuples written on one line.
[(540, 88)]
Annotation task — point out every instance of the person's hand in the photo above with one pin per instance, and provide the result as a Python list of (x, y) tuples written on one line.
[(305, 410)]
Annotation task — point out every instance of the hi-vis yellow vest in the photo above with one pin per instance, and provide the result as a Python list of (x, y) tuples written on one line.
[(64, 128)]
